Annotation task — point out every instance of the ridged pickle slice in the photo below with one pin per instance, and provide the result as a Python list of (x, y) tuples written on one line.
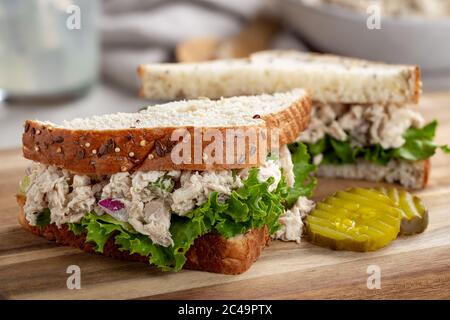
[(356, 219), (414, 214)]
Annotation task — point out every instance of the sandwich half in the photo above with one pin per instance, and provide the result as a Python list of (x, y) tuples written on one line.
[(113, 184), (364, 123)]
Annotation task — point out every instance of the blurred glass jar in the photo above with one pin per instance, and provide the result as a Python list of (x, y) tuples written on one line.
[(48, 48)]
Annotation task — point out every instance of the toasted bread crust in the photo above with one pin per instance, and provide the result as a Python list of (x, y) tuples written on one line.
[(211, 252), (292, 121), (112, 151), (214, 253)]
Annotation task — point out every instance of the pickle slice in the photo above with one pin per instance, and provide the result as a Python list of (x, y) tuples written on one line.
[(356, 219), (414, 213)]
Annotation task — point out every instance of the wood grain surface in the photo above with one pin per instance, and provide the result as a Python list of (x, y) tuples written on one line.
[(411, 267)]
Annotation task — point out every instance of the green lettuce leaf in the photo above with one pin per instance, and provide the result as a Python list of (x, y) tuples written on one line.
[(344, 150), (414, 150), (303, 169), (248, 207), (43, 219), (98, 231), (316, 148), (164, 183), (375, 154), (76, 228), (419, 145), (445, 148)]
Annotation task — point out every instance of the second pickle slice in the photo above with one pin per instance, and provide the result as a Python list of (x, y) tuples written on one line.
[(356, 219), (414, 214)]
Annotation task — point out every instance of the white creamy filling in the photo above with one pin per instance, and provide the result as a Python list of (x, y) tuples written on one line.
[(362, 125), (197, 186), (292, 220), (150, 198)]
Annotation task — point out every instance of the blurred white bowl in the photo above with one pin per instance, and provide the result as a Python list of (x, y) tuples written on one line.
[(403, 40)]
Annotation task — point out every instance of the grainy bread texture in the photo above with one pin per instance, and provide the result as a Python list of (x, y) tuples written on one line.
[(142, 141), (211, 252), (331, 79), (412, 175)]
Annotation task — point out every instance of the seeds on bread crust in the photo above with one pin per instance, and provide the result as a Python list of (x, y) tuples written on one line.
[(160, 148), (80, 154), (58, 139), (106, 148), (103, 150)]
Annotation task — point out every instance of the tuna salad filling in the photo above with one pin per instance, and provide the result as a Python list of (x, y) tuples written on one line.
[(159, 214), (346, 134)]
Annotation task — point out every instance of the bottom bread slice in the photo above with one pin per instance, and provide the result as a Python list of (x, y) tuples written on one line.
[(210, 252), (412, 175)]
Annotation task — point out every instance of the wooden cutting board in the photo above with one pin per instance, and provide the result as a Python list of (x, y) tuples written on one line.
[(411, 267)]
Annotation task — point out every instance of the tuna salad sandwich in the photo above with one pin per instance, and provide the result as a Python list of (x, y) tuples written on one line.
[(196, 184), (364, 123)]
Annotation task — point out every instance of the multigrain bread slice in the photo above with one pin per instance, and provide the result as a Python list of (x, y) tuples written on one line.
[(211, 252), (112, 143), (412, 175), (331, 79)]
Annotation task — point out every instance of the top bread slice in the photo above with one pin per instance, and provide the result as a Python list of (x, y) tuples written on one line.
[(331, 79), (112, 143)]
